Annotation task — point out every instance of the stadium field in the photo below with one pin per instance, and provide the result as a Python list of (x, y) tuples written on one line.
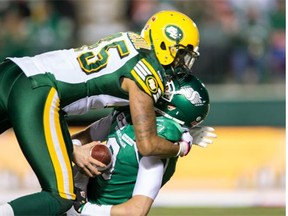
[(239, 211)]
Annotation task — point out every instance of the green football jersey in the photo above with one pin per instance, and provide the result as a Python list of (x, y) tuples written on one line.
[(117, 184)]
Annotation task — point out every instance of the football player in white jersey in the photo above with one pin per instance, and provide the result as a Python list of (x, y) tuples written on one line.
[(36, 93), (133, 181)]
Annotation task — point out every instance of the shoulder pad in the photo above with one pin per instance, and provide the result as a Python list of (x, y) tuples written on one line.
[(138, 42), (168, 129)]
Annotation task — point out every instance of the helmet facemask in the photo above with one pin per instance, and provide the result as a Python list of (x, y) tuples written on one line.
[(183, 61)]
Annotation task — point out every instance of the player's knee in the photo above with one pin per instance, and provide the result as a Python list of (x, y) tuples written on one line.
[(60, 200), (42, 203), (63, 205)]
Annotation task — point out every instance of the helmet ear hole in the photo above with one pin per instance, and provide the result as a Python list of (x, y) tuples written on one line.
[(163, 45)]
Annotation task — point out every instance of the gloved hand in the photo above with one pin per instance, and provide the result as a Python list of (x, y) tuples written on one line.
[(185, 144), (202, 135)]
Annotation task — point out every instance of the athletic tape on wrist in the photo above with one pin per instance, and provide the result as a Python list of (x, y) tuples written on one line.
[(179, 151), (183, 148)]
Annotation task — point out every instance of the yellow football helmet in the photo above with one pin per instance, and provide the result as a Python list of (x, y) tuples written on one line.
[(174, 37)]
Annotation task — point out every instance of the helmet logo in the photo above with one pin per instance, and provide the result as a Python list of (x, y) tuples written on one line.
[(152, 84), (174, 33), (170, 107), (191, 95)]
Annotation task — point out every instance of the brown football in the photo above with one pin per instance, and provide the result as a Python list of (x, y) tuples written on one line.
[(103, 154)]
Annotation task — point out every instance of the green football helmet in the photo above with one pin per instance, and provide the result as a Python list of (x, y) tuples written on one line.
[(185, 100)]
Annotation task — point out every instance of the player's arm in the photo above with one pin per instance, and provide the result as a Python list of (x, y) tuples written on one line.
[(143, 197), (97, 131), (83, 142), (144, 122), (137, 205), (82, 137)]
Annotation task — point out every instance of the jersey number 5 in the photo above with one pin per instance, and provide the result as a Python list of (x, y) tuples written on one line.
[(91, 63)]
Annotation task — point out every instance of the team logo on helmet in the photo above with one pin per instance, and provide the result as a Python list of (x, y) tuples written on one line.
[(174, 32), (192, 95)]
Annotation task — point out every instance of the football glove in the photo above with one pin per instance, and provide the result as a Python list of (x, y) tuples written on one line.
[(185, 144), (80, 200), (202, 135)]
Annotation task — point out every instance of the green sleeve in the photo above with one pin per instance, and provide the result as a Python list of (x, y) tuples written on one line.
[(169, 129)]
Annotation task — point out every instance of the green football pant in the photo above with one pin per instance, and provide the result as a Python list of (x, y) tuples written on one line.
[(43, 136)]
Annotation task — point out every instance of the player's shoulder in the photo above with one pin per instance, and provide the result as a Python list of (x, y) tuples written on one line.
[(167, 122), (138, 42), (168, 128)]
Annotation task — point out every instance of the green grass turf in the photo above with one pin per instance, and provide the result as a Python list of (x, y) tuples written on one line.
[(229, 211)]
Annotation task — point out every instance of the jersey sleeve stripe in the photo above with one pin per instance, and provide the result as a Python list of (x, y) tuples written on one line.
[(140, 81), (140, 71), (145, 70), (159, 94), (154, 73), (155, 97)]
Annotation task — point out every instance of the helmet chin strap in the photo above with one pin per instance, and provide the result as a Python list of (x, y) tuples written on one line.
[(169, 72), (151, 40)]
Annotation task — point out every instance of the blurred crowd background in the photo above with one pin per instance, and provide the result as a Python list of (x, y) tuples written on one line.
[(241, 41)]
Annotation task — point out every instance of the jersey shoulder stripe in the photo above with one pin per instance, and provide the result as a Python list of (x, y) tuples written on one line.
[(155, 74), (148, 79)]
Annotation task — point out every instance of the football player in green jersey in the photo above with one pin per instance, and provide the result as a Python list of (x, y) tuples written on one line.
[(36, 93), (133, 181)]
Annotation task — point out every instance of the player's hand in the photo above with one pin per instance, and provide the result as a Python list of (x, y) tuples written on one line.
[(83, 159), (202, 135), (185, 144)]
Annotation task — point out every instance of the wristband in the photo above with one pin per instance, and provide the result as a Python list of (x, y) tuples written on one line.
[(184, 148), (179, 151), (76, 142)]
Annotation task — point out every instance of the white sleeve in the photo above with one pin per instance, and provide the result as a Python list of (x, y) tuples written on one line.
[(99, 130), (90, 209), (149, 177)]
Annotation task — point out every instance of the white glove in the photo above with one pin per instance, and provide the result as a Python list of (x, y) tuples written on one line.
[(185, 144), (202, 135)]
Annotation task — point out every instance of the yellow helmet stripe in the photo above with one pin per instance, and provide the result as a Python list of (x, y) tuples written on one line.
[(56, 146)]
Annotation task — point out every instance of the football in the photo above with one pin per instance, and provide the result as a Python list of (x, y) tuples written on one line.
[(103, 154)]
